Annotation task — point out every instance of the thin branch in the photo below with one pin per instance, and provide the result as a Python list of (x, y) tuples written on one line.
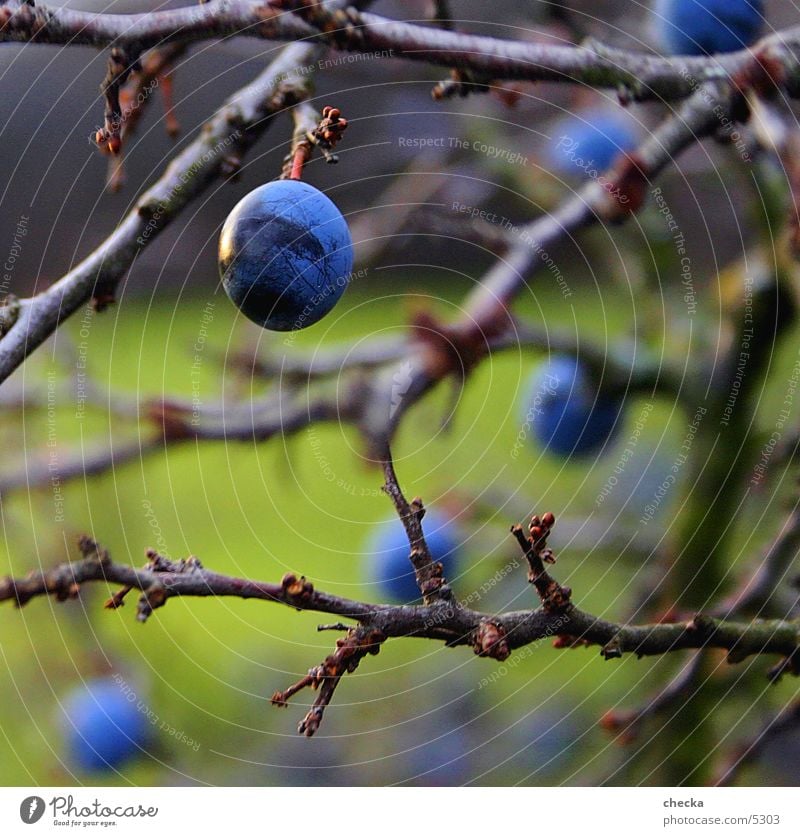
[(429, 574), (313, 130), (445, 621), (786, 721), (761, 593), (628, 724), (440, 618), (554, 597), (758, 595), (154, 70), (350, 650), (119, 69), (303, 366)]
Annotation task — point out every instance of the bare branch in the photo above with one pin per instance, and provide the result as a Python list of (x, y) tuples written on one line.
[(445, 621), (774, 61), (554, 597), (628, 724), (154, 70), (350, 650), (429, 573), (119, 69), (785, 721), (758, 595), (441, 617)]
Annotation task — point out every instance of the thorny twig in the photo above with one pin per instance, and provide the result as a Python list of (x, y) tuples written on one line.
[(350, 650), (785, 721), (313, 130), (429, 573), (759, 595), (490, 635), (554, 597), (119, 68)]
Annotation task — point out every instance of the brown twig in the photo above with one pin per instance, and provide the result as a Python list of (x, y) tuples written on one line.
[(627, 724), (311, 131), (554, 597), (787, 720), (153, 71), (429, 574), (350, 650), (710, 87), (120, 67)]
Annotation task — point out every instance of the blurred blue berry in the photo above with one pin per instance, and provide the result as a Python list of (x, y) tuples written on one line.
[(567, 413), (447, 759), (586, 144), (387, 555), (704, 27), (285, 255), (104, 726)]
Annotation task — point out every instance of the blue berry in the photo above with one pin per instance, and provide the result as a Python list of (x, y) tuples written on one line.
[(104, 726), (567, 413), (704, 27), (285, 255), (388, 550), (586, 144)]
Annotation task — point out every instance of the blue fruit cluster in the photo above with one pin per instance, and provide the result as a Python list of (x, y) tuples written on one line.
[(387, 552), (565, 410), (587, 144), (104, 727), (285, 255), (705, 27)]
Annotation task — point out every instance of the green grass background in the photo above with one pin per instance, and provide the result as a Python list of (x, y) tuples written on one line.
[(418, 712)]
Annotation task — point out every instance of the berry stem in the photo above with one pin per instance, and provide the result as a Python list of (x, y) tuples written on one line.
[(298, 161)]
